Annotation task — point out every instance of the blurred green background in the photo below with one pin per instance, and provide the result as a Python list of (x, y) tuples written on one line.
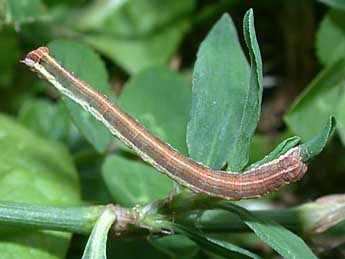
[(129, 49)]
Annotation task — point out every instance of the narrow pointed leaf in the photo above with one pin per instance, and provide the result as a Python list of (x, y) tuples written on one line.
[(176, 246), (281, 149), (314, 146), (96, 247), (252, 108), (217, 246), (284, 242)]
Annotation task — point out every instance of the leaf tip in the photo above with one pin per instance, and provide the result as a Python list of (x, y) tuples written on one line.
[(314, 146)]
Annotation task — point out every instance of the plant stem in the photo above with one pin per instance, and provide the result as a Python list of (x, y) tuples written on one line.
[(81, 220), (309, 218), (220, 221), (70, 219)]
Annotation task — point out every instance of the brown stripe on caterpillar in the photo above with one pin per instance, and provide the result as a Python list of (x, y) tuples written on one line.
[(189, 173)]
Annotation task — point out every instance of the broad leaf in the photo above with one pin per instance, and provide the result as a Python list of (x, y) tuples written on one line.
[(34, 170), (330, 44), (84, 63), (134, 34), (47, 119), (279, 238), (226, 96), (132, 182), (220, 88), (89, 164), (160, 99), (321, 97)]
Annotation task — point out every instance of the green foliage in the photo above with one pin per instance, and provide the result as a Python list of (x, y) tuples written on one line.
[(23, 11), (87, 65), (281, 149), (134, 33), (226, 101), (217, 246), (47, 119), (314, 146), (321, 97), (330, 44), (37, 171), (176, 246), (96, 247), (147, 186), (150, 96), (280, 239), (334, 3), (218, 116), (219, 94), (9, 55)]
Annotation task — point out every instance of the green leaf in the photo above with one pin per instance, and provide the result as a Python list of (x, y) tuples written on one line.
[(9, 56), (281, 149), (314, 146), (132, 182), (89, 165), (226, 97), (160, 99), (339, 114), (321, 98), (96, 247), (176, 246), (23, 11), (48, 120), (134, 33), (330, 43), (284, 242), (252, 107), (96, 13), (217, 246), (82, 61), (34, 170), (334, 3), (261, 145), (220, 87), (3, 7)]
